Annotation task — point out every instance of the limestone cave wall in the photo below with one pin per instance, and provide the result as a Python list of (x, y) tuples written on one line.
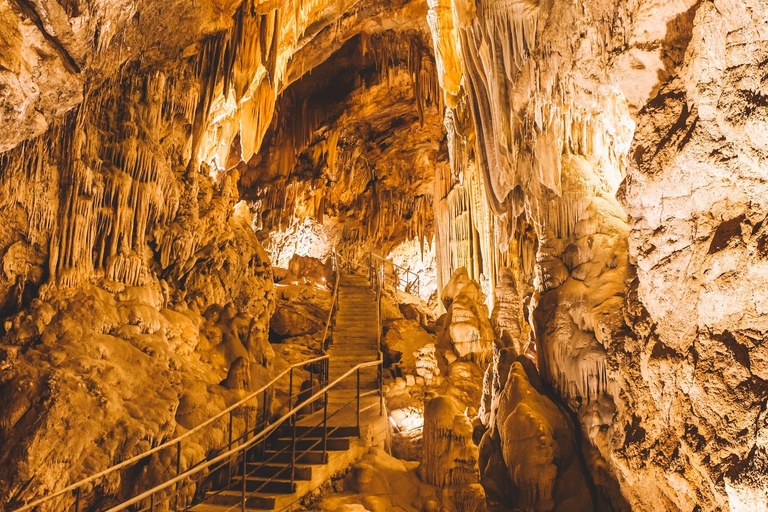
[(620, 139)]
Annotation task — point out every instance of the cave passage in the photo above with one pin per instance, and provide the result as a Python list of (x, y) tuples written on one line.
[(383, 255)]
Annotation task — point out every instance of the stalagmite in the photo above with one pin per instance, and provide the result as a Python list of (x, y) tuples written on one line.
[(449, 457), (468, 331)]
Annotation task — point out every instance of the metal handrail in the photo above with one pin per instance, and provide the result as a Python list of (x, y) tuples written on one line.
[(406, 279), (394, 265), (247, 444), (334, 298), (306, 434)]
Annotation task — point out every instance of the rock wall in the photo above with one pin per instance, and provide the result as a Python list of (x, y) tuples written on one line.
[(132, 284), (603, 184), (626, 135), (697, 377)]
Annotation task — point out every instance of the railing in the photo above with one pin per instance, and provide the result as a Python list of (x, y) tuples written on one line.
[(334, 298), (76, 491), (158, 495), (387, 271), (236, 412), (402, 278)]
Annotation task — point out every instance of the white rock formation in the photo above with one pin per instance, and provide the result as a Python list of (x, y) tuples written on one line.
[(467, 329)]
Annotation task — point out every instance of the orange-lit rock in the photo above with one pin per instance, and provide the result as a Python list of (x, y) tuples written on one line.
[(576, 182)]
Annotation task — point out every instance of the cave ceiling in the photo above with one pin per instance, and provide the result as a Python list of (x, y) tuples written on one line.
[(358, 139)]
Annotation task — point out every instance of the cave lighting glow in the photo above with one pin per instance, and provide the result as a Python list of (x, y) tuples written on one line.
[(306, 237)]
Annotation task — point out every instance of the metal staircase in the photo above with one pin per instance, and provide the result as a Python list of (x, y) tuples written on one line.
[(356, 329)]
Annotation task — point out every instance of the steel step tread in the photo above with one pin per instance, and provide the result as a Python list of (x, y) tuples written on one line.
[(225, 499)]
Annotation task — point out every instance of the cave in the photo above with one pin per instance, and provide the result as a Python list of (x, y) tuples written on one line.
[(383, 255)]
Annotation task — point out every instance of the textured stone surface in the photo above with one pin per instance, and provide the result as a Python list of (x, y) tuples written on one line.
[(647, 303)]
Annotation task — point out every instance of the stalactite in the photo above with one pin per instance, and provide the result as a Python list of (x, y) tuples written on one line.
[(102, 171), (29, 174)]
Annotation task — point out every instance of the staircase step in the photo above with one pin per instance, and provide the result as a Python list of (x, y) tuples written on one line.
[(333, 444), (343, 341), (349, 361), (261, 470), (281, 485), (216, 501), (365, 377), (365, 332), (315, 432), (350, 402), (314, 457), (357, 350), (339, 368), (338, 349), (353, 358), (355, 319), (337, 371)]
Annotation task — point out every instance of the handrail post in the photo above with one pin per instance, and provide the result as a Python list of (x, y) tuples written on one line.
[(293, 451), (325, 424), (290, 390), (264, 413), (245, 467), (264, 416), (178, 471), (229, 447), (311, 382), (358, 402), (381, 385)]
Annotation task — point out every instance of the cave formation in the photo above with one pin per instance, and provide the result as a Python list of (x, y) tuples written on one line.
[(543, 218)]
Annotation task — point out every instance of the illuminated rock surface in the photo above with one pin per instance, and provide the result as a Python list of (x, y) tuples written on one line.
[(578, 185)]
